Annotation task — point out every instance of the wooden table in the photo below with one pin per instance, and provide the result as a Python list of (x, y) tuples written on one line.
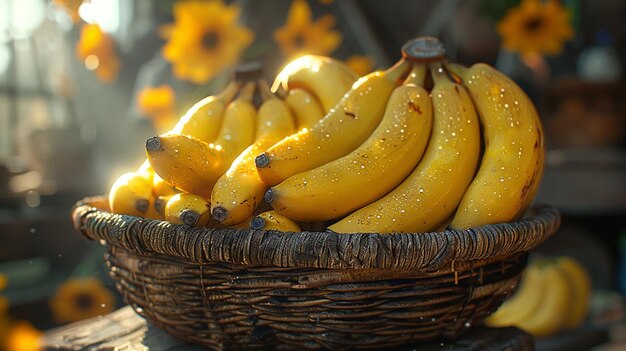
[(125, 330)]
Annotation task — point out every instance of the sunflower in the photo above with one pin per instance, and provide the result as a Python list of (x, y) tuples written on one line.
[(361, 64), (98, 52), (78, 299), (22, 336), (204, 39), (300, 35), (157, 103), (536, 27)]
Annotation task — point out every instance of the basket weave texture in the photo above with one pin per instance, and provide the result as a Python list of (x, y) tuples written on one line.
[(256, 289)]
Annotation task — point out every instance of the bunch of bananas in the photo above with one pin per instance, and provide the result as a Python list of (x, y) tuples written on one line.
[(553, 296), (204, 167), (398, 150)]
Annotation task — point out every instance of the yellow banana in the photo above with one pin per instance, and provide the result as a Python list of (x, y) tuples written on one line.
[(189, 209), (326, 78), (162, 188), (272, 220), (306, 108), (131, 194), (203, 119), (549, 318), (580, 288), (370, 171), (146, 171), (511, 166), (185, 162), (341, 131), (525, 301), (240, 190), (431, 193), (238, 126)]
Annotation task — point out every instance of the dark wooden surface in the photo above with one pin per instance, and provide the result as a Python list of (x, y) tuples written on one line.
[(125, 330)]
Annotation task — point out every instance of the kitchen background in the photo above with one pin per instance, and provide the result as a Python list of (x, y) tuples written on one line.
[(83, 84)]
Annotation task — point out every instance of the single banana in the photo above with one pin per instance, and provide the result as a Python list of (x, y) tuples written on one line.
[(431, 193), (306, 108), (203, 119), (580, 288), (549, 318), (131, 194), (240, 190), (162, 188), (524, 302), (341, 131), (238, 126), (189, 209), (511, 167), (326, 78), (370, 171), (272, 220), (186, 163)]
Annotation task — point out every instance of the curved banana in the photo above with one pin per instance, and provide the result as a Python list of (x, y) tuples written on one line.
[(511, 166), (238, 125), (272, 220), (373, 169), (525, 301), (341, 131), (306, 108), (203, 119), (325, 77), (549, 318), (131, 194), (431, 193), (580, 287), (189, 209), (185, 162), (240, 190)]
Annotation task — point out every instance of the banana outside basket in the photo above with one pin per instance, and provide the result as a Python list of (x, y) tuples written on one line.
[(256, 289)]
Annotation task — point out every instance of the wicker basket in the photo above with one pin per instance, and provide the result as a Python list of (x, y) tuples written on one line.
[(254, 289)]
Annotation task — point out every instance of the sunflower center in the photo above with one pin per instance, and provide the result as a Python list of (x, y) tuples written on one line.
[(533, 23), (210, 40), (84, 301), (298, 40)]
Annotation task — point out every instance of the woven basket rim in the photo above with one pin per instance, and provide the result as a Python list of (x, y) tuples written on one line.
[(248, 247)]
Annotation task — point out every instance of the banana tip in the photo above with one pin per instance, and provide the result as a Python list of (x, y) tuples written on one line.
[(153, 144), (262, 160), (142, 205), (269, 196), (220, 214), (189, 217), (257, 223)]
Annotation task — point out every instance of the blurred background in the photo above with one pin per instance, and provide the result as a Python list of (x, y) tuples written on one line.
[(83, 84)]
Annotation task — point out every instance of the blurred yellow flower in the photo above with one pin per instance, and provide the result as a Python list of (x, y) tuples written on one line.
[(536, 27), (204, 39), (361, 64), (22, 336), (157, 103), (71, 7), (78, 299), (97, 51), (300, 35)]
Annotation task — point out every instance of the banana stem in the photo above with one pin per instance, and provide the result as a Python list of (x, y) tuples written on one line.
[(456, 69), (439, 74), (229, 92), (247, 92), (264, 88), (396, 72), (417, 76)]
